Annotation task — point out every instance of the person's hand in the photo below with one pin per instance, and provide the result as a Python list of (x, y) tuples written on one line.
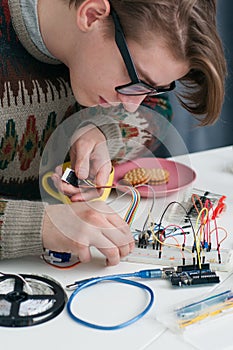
[(89, 159), (76, 227)]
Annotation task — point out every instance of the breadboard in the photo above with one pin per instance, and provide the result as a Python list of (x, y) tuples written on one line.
[(172, 256)]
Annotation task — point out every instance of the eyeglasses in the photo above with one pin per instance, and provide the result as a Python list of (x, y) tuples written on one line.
[(136, 86)]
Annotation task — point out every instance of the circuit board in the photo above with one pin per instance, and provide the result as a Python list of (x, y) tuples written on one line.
[(193, 275), (189, 235)]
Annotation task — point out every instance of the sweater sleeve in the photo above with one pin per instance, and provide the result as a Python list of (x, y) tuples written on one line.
[(20, 228)]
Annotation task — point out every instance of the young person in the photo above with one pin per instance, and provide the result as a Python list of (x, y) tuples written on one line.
[(93, 52)]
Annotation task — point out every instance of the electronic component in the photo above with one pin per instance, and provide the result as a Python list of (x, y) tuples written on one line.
[(27, 300), (60, 259), (193, 275), (57, 257), (70, 177)]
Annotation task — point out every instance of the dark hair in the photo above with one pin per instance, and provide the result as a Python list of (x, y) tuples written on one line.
[(189, 28)]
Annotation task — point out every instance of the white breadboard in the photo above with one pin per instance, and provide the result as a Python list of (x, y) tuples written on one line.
[(172, 256)]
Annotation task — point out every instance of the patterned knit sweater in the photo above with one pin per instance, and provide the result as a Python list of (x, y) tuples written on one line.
[(35, 97)]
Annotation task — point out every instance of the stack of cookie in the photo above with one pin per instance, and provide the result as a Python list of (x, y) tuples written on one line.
[(153, 176)]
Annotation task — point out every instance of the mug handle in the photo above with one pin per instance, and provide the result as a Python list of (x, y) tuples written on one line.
[(55, 194), (63, 198)]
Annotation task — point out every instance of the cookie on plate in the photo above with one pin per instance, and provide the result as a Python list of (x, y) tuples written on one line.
[(137, 176), (158, 176)]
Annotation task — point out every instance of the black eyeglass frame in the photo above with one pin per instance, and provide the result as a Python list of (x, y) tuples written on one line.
[(124, 51)]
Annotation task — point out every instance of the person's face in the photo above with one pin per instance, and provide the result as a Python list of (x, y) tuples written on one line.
[(98, 68)]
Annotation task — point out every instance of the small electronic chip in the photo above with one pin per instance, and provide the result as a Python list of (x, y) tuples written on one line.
[(70, 177)]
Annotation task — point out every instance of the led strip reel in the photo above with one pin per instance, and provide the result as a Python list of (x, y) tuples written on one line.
[(27, 300)]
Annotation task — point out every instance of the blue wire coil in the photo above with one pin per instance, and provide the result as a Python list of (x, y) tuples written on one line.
[(114, 279)]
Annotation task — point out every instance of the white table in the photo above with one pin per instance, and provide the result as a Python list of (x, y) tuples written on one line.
[(213, 174)]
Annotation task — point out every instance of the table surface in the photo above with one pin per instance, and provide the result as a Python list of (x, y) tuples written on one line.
[(107, 303)]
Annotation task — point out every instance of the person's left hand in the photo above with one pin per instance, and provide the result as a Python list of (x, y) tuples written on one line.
[(76, 227), (90, 160)]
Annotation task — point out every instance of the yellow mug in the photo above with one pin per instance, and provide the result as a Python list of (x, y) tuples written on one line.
[(62, 197)]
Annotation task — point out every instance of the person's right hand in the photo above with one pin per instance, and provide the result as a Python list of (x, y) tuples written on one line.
[(76, 227), (90, 159)]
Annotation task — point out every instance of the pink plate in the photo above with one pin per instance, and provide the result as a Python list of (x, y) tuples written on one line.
[(180, 177)]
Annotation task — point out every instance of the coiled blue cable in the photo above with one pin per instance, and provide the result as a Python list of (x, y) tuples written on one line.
[(115, 278)]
